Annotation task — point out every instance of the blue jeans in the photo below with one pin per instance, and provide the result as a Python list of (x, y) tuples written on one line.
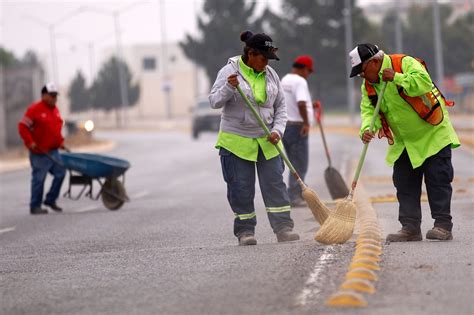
[(239, 174), (41, 165), (296, 146)]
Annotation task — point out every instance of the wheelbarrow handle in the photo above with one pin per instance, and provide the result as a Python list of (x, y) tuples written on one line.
[(52, 158)]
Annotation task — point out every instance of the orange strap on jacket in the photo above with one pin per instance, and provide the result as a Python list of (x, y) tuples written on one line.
[(385, 130), (427, 106)]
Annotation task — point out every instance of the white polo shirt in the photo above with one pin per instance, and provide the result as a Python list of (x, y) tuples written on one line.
[(296, 90)]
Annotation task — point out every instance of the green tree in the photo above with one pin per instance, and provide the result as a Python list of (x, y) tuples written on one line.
[(105, 90), (457, 38), (30, 59), (79, 95), (317, 28), (7, 58), (220, 28)]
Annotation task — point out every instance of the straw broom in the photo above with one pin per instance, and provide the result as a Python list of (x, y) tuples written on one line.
[(318, 209), (339, 226)]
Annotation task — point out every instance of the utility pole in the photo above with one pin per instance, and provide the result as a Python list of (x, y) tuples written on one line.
[(54, 58), (437, 45), (52, 38), (349, 42), (3, 113), (121, 71), (118, 54), (165, 79), (398, 29)]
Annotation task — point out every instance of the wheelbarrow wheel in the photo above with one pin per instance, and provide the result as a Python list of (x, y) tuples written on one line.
[(113, 194)]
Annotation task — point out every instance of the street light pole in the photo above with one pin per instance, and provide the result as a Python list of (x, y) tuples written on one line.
[(54, 61), (52, 40), (349, 41), (166, 84), (398, 29), (437, 44), (119, 55), (121, 70)]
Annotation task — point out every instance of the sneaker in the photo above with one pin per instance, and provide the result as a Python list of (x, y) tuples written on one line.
[(405, 235), (438, 233), (247, 239), (38, 210), (287, 236), (54, 206)]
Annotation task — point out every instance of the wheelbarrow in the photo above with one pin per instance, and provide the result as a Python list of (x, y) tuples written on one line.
[(109, 172)]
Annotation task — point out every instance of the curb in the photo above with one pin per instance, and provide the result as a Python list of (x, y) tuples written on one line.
[(361, 275)]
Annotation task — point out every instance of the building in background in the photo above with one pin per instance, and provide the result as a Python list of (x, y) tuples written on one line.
[(185, 83)]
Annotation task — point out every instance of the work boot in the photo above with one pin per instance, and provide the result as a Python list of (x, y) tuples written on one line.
[(247, 239), (438, 233), (54, 206), (405, 235), (38, 210), (287, 236)]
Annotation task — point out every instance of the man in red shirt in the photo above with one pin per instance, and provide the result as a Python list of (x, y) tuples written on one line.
[(40, 129)]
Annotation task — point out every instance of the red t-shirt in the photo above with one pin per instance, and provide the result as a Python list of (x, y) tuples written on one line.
[(42, 125)]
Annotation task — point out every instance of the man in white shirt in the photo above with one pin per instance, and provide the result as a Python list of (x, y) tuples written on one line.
[(300, 116)]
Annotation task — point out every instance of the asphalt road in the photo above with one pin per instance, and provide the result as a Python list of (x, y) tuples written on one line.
[(171, 249)]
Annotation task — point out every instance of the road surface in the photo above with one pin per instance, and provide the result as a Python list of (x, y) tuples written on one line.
[(171, 249)]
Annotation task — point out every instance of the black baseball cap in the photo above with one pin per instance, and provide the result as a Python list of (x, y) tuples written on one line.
[(261, 42), (358, 55)]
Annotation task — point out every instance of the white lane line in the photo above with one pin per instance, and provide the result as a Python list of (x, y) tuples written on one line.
[(87, 209), (8, 229), (140, 194), (311, 289)]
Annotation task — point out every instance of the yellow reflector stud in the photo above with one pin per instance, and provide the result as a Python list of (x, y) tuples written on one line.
[(360, 285), (362, 273), (364, 263), (346, 298)]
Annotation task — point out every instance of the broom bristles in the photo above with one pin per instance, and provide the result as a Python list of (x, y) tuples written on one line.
[(339, 226), (319, 210)]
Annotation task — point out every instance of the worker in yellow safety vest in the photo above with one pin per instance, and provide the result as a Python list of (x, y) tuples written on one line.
[(414, 119)]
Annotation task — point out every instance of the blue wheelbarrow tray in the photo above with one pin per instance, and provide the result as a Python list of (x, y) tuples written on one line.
[(95, 165)]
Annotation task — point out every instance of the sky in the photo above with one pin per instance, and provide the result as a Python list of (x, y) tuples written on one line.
[(24, 26)]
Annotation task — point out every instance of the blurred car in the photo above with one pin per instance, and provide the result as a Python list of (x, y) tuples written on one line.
[(204, 118)]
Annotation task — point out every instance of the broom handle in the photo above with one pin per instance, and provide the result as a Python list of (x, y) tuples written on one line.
[(326, 149), (268, 133), (366, 145)]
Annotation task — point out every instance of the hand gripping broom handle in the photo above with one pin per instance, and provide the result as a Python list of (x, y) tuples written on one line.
[(366, 145), (267, 132)]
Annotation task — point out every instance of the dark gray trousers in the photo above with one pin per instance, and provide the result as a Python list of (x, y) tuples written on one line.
[(438, 173)]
